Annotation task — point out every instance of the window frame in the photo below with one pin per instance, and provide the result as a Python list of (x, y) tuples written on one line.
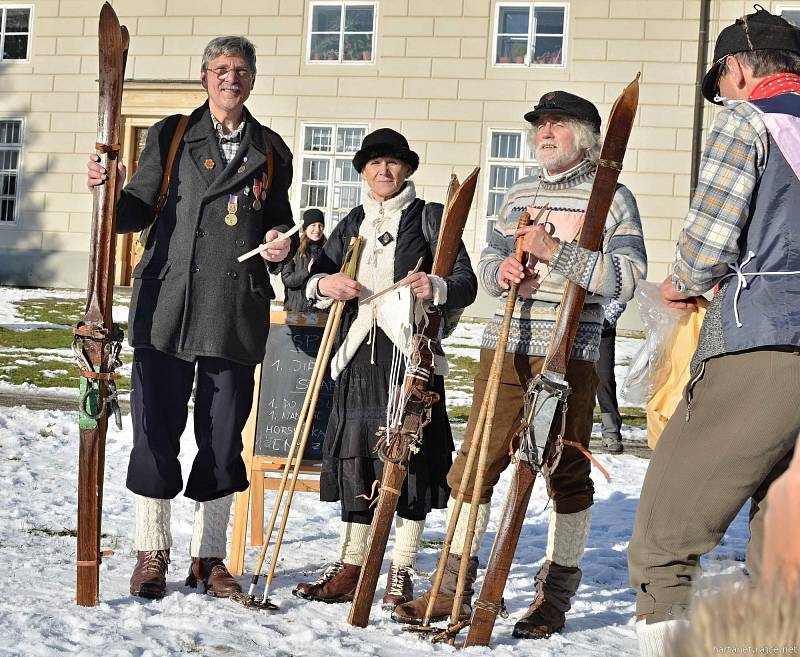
[(522, 163), (20, 148), (790, 7), (531, 34), (3, 13), (342, 4), (331, 155)]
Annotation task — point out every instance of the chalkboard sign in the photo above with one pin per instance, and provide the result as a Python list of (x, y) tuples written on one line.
[(292, 347)]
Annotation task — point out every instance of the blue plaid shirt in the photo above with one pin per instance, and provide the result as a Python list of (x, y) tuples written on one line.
[(733, 162)]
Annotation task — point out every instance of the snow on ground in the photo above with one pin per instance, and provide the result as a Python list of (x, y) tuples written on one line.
[(38, 462)]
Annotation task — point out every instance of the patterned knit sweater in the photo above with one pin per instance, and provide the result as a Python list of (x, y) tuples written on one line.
[(610, 275)]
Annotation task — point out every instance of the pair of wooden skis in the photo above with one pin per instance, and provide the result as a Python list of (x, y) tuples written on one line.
[(97, 340)]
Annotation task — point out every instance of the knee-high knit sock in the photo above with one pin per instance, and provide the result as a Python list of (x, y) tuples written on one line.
[(460, 536), (210, 527), (407, 537), (353, 538), (567, 536), (152, 523)]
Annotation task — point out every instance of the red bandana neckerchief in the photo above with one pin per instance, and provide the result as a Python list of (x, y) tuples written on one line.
[(773, 85)]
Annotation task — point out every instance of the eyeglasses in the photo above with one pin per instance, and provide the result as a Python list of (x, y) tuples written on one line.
[(721, 63), (223, 71)]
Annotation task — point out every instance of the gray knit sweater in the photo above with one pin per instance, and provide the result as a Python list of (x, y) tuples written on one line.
[(608, 275)]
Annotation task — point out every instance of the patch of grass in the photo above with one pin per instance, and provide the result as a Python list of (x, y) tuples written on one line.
[(44, 371), (631, 415), (437, 543), (36, 339), (51, 310), (458, 413), (55, 310), (60, 532)]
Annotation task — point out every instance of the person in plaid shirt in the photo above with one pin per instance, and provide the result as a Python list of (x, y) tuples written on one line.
[(734, 432)]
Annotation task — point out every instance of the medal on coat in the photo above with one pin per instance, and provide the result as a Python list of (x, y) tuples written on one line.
[(264, 187), (233, 206), (244, 165), (256, 194)]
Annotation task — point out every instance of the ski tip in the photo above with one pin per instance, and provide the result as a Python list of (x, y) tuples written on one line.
[(108, 17)]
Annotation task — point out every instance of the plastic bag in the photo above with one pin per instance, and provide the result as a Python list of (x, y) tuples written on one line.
[(650, 365)]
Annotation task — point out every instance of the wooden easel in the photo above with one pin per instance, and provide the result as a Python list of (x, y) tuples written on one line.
[(261, 471)]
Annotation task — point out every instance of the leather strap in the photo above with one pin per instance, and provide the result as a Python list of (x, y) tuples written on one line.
[(270, 166), (173, 149), (141, 242)]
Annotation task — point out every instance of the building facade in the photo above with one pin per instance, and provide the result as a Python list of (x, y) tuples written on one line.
[(455, 76)]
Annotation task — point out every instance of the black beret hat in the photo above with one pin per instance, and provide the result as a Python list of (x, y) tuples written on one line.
[(563, 102), (758, 31), (313, 216), (385, 142)]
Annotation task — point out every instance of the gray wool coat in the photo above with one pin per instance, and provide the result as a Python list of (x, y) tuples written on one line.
[(191, 297)]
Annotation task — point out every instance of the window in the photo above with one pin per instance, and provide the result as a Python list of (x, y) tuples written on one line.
[(510, 158), (15, 33), (329, 181), (10, 152), (530, 34), (790, 12), (342, 32)]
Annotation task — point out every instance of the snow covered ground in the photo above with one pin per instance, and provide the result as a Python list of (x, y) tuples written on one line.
[(39, 618)]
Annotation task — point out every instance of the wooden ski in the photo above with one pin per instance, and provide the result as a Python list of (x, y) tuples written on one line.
[(550, 389), (405, 438), (97, 340)]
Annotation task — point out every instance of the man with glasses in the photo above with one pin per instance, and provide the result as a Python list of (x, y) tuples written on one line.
[(197, 315), (735, 431)]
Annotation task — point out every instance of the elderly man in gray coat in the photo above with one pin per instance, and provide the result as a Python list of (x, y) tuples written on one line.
[(197, 314)]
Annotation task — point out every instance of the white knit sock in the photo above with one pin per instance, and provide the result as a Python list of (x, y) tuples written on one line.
[(407, 537), (353, 537), (152, 523), (567, 536), (655, 637), (460, 536), (209, 538)]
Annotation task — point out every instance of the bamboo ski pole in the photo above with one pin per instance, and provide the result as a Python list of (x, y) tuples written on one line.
[(475, 448), (301, 434), (314, 383), (488, 408)]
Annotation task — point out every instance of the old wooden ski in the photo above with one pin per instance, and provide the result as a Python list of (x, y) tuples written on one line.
[(549, 390), (97, 340), (405, 438)]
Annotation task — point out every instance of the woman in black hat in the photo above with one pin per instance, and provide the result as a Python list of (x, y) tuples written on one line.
[(296, 273), (399, 230)]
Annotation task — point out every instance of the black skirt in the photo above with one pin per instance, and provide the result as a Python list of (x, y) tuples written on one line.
[(349, 463)]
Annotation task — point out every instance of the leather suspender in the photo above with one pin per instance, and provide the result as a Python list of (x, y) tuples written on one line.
[(141, 242)]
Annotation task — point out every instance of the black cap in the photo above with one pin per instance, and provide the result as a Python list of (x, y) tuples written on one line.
[(385, 142), (758, 31), (313, 216), (563, 102)]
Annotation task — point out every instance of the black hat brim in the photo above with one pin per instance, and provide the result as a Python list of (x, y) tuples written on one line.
[(709, 84), (385, 150)]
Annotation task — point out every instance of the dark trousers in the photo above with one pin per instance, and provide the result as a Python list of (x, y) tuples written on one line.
[(161, 386), (607, 388)]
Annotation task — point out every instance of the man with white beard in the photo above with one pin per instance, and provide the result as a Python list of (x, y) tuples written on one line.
[(565, 132)]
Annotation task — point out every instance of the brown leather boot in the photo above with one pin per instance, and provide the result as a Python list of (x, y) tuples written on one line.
[(336, 584), (149, 577), (218, 582), (555, 586), (399, 587), (413, 613)]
